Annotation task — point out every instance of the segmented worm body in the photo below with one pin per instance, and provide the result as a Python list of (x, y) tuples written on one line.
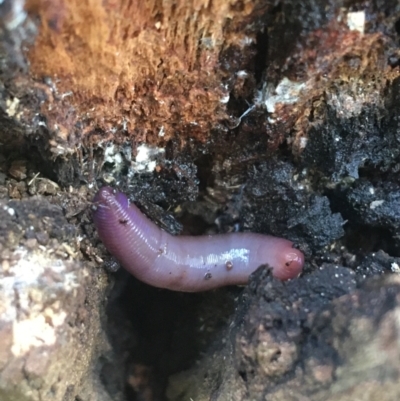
[(186, 263)]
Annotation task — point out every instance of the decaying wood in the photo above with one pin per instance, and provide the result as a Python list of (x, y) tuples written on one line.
[(292, 346), (145, 70)]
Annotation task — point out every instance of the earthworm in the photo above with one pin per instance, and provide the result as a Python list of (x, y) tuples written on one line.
[(186, 263)]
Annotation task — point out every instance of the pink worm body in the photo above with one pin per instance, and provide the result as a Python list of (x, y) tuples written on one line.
[(184, 263)]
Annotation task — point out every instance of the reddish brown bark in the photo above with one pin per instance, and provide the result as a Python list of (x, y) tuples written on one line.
[(138, 68)]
